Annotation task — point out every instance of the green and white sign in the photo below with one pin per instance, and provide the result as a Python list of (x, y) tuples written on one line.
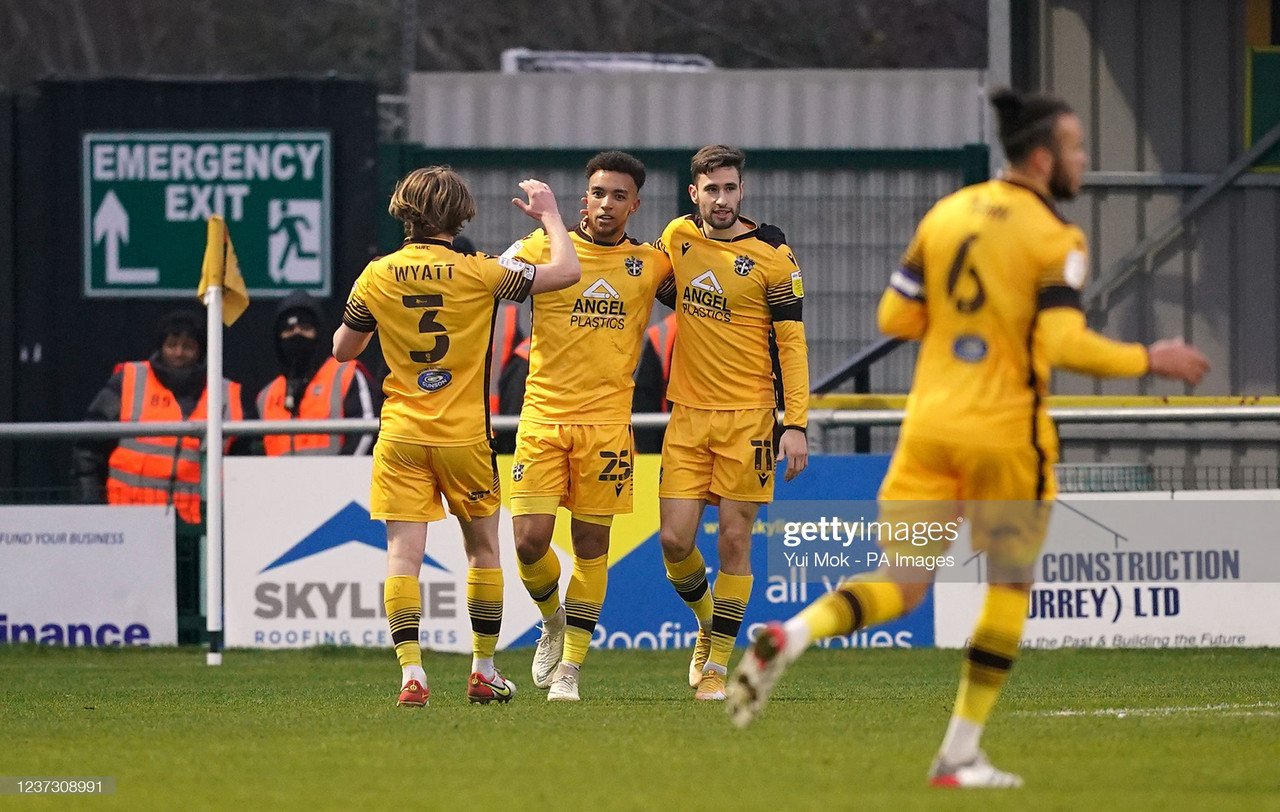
[(148, 195)]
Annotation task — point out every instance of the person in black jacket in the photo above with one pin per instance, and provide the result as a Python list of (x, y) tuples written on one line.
[(312, 385), (178, 368)]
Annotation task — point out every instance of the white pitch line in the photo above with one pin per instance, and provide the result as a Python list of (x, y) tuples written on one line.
[(1222, 709)]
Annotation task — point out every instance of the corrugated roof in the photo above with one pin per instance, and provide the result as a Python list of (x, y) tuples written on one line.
[(780, 109)]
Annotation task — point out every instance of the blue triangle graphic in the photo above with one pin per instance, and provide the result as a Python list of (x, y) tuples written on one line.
[(352, 523)]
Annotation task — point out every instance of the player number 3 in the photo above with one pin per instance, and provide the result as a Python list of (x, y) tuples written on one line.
[(429, 326)]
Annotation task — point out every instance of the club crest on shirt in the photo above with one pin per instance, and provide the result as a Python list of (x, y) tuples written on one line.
[(634, 265), (743, 265)]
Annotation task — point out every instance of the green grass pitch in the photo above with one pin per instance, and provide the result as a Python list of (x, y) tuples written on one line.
[(847, 729)]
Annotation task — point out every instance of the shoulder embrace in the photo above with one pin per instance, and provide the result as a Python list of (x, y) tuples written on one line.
[(771, 235)]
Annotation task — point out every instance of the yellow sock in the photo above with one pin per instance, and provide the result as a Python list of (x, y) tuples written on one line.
[(403, 601), (542, 579), (689, 577), (991, 652), (731, 595), (484, 604), (582, 602), (863, 601)]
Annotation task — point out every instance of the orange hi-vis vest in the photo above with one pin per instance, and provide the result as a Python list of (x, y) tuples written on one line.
[(151, 470), (505, 329), (322, 400), (663, 338)]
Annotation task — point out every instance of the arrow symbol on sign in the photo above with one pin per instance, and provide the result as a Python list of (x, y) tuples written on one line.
[(111, 223)]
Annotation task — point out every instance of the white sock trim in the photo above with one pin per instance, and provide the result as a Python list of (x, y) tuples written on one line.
[(483, 665), (960, 745), (799, 637)]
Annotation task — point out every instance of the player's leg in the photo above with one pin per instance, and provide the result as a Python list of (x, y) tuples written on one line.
[(741, 480), (468, 478), (918, 481), (683, 488), (600, 487), (1010, 533), (687, 571), (404, 494), (731, 593), (539, 485), (583, 600)]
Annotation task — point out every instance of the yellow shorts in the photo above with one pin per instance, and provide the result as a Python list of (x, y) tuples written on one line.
[(1006, 495), (718, 454), (409, 481), (587, 469)]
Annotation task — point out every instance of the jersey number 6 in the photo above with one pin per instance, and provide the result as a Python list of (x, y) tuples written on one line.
[(428, 325), (959, 267)]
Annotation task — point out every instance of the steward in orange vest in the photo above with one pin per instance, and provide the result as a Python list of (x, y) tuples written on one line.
[(508, 366), (312, 385), (168, 386)]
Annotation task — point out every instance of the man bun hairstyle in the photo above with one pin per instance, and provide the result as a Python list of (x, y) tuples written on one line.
[(432, 200), (716, 156), (617, 161), (1026, 121)]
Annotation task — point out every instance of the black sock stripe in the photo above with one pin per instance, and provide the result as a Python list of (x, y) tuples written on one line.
[(725, 626), (691, 594), (489, 627), (539, 597), (586, 624), (989, 659), (405, 635), (855, 606), (731, 606)]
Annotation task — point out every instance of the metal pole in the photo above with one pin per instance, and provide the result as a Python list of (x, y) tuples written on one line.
[(213, 475), (999, 74)]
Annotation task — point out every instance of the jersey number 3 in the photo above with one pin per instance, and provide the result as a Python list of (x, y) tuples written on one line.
[(961, 268), (428, 325)]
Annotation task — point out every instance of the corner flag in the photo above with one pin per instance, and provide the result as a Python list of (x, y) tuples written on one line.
[(222, 269)]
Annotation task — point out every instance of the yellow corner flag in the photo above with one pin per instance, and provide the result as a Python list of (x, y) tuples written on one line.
[(222, 268)]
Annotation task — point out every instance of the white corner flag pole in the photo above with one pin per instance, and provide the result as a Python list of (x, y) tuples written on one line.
[(213, 475)]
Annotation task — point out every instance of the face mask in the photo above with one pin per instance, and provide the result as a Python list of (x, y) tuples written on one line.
[(297, 351)]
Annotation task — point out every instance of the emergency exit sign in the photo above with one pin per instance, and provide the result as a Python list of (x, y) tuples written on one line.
[(148, 195)]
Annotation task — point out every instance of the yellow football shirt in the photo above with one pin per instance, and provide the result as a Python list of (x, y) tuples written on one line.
[(434, 309), (587, 337), (728, 294), (982, 265)]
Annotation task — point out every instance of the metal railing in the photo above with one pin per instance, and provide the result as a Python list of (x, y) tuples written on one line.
[(820, 420)]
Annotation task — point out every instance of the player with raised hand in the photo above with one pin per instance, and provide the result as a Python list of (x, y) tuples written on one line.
[(990, 285), (574, 447), (435, 309)]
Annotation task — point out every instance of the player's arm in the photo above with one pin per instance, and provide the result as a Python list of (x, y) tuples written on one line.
[(902, 312), (1066, 340), (786, 305), (563, 269), (666, 291), (353, 335), (1062, 336)]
